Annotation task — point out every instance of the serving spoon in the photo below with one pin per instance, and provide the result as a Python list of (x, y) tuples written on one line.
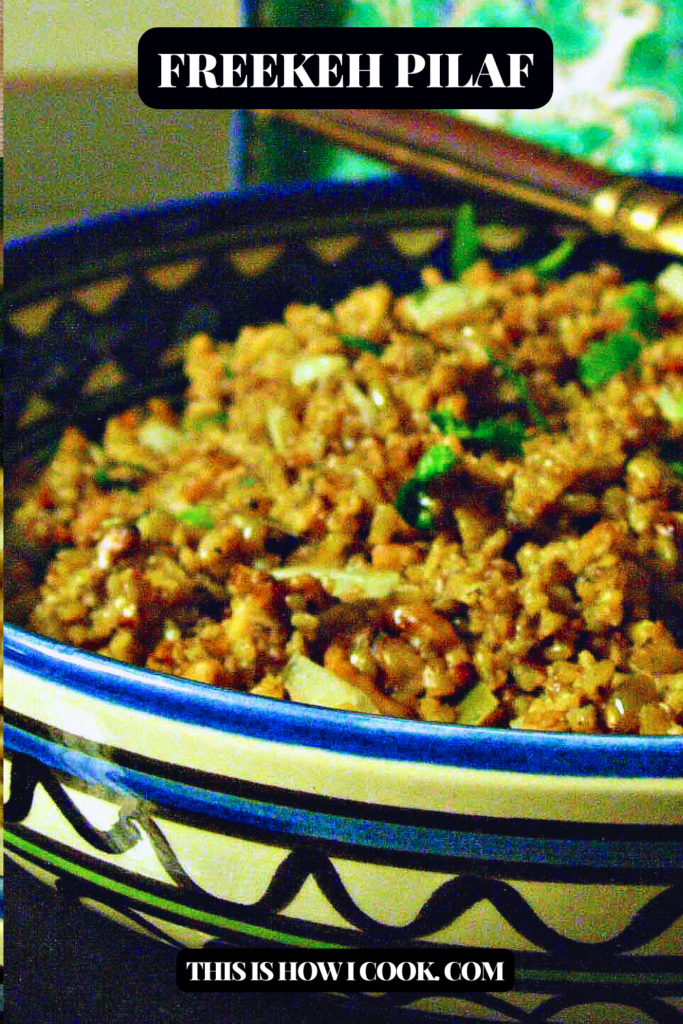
[(441, 146)]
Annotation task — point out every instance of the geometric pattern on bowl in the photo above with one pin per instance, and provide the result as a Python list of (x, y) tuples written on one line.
[(202, 816)]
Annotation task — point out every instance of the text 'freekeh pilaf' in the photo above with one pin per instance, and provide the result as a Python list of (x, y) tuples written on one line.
[(462, 505)]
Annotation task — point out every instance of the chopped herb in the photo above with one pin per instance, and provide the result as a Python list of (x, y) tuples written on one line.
[(640, 302), (670, 453), (465, 247), (522, 385), (45, 455), (361, 344), (504, 436), (434, 463), (606, 358), (247, 481), (119, 476), (196, 515), (414, 503), (415, 506), (556, 259), (621, 348), (227, 371), (219, 418)]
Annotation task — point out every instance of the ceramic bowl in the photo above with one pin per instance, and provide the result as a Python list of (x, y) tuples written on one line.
[(203, 816)]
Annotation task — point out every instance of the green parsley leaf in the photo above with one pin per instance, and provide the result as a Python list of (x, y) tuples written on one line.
[(196, 515), (414, 503), (640, 302), (218, 418), (361, 344), (44, 456), (606, 358), (504, 436), (465, 246), (677, 467), (119, 476), (522, 385), (434, 463), (556, 259)]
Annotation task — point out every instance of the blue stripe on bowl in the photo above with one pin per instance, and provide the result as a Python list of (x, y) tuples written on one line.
[(603, 852), (168, 697)]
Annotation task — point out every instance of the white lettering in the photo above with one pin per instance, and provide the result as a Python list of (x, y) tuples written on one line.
[(202, 64), (194, 966), (168, 70), (234, 73), (330, 64), (448, 971), (288, 970), (406, 971), (409, 64), (435, 71), (490, 68), (373, 70), (424, 973), (260, 71), (308, 968), (470, 970), (364, 967), (516, 69), (386, 971), (494, 972), (293, 70), (214, 970), (454, 73), (238, 971), (329, 971)]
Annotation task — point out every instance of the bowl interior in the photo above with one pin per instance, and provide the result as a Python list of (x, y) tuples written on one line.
[(96, 318)]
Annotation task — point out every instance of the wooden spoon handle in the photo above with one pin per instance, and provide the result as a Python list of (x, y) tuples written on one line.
[(430, 142)]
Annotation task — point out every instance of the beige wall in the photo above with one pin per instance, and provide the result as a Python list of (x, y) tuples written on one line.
[(73, 36), (79, 141)]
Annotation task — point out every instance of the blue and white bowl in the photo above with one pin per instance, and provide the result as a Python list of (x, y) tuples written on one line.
[(204, 816)]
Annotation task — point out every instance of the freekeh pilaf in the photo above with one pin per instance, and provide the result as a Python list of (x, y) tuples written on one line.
[(462, 505)]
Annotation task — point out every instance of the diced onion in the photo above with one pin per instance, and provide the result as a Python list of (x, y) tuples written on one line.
[(442, 303), (277, 421), (477, 707), (308, 683), (316, 368), (159, 437), (671, 405), (372, 584), (671, 280), (361, 402)]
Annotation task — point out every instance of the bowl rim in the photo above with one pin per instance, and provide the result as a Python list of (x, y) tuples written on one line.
[(372, 736), (32, 262), (176, 699)]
